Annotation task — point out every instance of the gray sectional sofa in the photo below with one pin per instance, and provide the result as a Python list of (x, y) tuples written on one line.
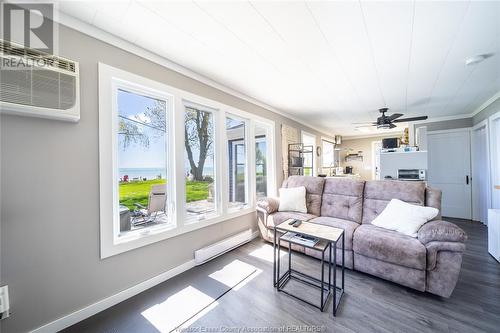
[(431, 262)]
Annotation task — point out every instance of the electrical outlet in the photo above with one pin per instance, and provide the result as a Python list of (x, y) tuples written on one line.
[(4, 302)]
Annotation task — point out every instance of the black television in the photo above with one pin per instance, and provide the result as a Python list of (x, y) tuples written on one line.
[(389, 143)]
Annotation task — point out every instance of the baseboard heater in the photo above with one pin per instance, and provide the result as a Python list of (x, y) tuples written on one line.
[(210, 252)]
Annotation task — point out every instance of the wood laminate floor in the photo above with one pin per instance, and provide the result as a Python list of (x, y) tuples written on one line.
[(370, 304)]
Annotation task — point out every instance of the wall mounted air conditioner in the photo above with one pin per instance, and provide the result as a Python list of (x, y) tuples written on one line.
[(36, 84)]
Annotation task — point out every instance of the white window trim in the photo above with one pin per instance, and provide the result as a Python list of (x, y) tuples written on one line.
[(270, 157), (314, 170), (182, 216), (109, 215), (249, 192), (323, 151)]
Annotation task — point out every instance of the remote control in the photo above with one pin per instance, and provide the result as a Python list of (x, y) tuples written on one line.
[(292, 222), (296, 224)]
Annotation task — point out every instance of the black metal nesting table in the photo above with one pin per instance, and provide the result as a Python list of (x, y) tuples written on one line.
[(328, 238)]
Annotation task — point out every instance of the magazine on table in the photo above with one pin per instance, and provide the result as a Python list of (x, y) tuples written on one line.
[(300, 239)]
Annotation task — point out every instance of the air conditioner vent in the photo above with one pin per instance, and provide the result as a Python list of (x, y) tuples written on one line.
[(11, 49), (47, 87)]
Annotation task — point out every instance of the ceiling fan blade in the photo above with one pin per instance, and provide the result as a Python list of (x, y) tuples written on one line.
[(395, 115), (403, 120), (365, 123), (392, 126)]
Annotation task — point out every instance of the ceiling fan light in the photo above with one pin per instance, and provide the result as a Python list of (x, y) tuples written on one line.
[(384, 126)]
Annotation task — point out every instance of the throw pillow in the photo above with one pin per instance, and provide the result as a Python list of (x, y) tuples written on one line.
[(404, 217), (293, 199)]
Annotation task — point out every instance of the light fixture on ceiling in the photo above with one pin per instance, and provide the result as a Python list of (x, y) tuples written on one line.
[(477, 59)]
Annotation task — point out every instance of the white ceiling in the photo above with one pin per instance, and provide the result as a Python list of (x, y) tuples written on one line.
[(328, 63)]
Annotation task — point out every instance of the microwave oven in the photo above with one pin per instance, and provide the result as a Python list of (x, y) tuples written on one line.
[(412, 174)]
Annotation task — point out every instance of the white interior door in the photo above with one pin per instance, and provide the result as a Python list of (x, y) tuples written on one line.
[(495, 159), (480, 172), (449, 170)]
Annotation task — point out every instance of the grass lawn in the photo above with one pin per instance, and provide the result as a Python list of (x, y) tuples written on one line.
[(138, 191)]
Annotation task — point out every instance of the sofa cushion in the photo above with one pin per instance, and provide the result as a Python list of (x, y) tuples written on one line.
[(280, 217), (348, 227), (314, 190), (343, 198), (389, 246), (378, 193)]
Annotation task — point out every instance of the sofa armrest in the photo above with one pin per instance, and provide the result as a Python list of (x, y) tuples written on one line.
[(441, 231), (433, 199), (434, 247), (268, 205)]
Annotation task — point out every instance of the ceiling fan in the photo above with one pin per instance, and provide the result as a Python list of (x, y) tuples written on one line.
[(387, 121)]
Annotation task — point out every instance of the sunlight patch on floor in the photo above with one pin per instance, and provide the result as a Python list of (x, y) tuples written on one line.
[(233, 273), (197, 316), (176, 309), (265, 252)]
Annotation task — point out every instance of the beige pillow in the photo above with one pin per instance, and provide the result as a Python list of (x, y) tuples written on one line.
[(293, 199)]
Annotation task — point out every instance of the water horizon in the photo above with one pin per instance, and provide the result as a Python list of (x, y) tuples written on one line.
[(151, 173)]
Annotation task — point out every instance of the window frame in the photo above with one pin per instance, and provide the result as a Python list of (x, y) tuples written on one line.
[(270, 157), (176, 191), (323, 166), (314, 161), (246, 139), (217, 199)]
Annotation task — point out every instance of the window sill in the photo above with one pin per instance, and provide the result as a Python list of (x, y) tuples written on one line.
[(156, 234)]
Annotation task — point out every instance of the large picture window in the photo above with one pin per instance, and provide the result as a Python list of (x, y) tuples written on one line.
[(236, 163), (309, 141), (171, 162), (201, 201), (328, 160), (142, 148), (263, 159)]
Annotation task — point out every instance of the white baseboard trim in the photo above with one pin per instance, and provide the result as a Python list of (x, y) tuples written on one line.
[(88, 311)]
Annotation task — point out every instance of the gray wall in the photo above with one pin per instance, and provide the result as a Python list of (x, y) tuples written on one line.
[(50, 200), (487, 112), (464, 122), (446, 125), (363, 168)]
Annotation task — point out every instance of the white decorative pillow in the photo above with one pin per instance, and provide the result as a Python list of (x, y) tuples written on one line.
[(293, 199), (404, 217)]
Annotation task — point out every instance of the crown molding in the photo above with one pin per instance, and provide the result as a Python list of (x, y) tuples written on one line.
[(371, 135), (444, 118), (93, 31), (483, 106)]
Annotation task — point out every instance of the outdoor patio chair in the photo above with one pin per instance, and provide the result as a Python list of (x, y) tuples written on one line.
[(156, 206)]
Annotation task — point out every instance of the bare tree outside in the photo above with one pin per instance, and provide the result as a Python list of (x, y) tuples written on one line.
[(198, 140), (133, 129)]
